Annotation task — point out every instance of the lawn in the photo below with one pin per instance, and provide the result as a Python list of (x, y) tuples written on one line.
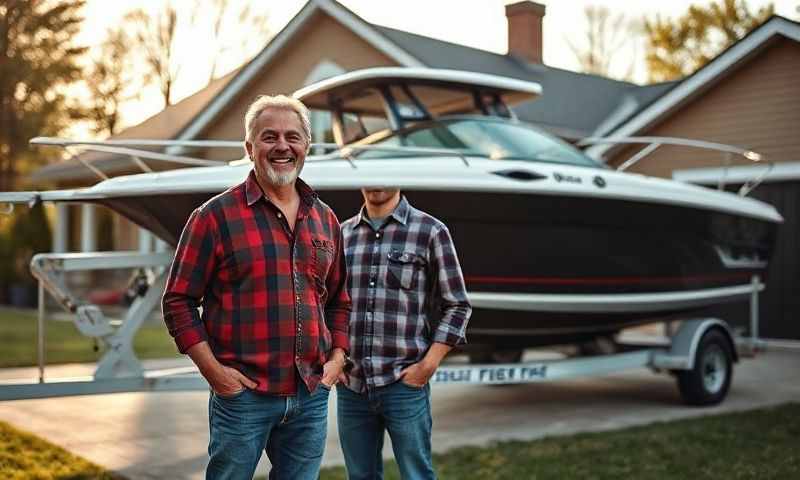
[(759, 444), (64, 344), (24, 456)]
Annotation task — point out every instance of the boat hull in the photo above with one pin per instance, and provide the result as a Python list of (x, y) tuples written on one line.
[(546, 269)]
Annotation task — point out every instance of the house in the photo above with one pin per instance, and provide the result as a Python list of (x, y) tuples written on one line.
[(749, 95)]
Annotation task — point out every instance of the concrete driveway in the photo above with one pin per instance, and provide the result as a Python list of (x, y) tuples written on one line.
[(164, 435)]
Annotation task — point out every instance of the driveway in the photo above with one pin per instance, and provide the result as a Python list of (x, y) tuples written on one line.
[(164, 435)]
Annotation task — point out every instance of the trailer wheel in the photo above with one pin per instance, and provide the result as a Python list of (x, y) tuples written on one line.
[(708, 382)]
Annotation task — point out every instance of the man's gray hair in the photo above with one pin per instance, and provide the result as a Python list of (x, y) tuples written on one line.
[(263, 102)]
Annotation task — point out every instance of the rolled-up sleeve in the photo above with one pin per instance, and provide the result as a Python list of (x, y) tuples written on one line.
[(189, 277), (450, 290), (338, 306)]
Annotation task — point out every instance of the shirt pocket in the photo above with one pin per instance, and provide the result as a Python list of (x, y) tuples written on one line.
[(321, 259), (404, 269)]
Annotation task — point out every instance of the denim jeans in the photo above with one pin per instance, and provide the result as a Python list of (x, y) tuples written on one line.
[(291, 430), (404, 411)]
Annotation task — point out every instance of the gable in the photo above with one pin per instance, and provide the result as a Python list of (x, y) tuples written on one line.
[(756, 106), (322, 41), (707, 77)]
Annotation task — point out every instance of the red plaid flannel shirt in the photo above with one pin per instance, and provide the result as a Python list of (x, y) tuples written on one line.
[(274, 302)]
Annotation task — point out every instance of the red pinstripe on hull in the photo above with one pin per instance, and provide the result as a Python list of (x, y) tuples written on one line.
[(608, 280)]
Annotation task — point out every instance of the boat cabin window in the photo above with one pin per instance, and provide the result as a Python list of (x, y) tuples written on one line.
[(409, 108), (356, 127), (363, 113), (492, 138)]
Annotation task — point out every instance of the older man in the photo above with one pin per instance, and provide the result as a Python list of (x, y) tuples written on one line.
[(265, 261), (410, 308)]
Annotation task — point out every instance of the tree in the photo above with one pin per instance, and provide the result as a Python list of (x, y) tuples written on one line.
[(256, 28), (158, 38), (605, 35), (676, 48), (107, 81), (38, 61)]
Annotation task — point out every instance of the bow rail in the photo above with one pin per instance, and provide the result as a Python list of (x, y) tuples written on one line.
[(653, 143)]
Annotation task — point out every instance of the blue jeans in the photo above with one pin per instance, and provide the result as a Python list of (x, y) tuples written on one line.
[(291, 430), (404, 411)]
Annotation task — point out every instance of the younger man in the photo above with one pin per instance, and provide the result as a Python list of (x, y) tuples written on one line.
[(410, 308)]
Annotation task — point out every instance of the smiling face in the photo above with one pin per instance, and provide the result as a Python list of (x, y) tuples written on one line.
[(277, 146)]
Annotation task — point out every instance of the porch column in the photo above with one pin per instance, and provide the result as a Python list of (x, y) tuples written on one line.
[(145, 241), (161, 245), (61, 228), (88, 228)]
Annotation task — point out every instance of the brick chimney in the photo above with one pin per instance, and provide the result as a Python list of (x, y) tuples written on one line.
[(525, 30)]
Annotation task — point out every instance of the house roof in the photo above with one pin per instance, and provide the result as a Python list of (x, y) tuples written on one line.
[(166, 124), (572, 105), (700, 81)]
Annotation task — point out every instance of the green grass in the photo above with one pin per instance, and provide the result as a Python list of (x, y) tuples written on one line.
[(25, 456), (64, 344), (759, 444)]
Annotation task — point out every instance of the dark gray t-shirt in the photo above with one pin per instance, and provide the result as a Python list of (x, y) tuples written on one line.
[(376, 222)]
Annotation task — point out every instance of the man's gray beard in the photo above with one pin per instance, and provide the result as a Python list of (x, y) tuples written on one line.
[(281, 179)]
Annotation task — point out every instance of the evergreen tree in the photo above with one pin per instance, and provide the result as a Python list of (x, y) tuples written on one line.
[(38, 60), (676, 48)]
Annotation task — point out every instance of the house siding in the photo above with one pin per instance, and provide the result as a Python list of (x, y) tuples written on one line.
[(322, 38), (755, 107)]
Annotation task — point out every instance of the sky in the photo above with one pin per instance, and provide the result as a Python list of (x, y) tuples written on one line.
[(475, 23)]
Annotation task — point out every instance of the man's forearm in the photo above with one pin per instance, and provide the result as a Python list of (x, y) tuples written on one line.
[(204, 358), (436, 354)]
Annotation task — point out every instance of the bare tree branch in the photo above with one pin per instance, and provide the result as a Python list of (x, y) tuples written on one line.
[(605, 35)]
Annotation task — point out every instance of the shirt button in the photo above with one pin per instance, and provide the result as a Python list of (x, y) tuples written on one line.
[(298, 298), (371, 284), (377, 234)]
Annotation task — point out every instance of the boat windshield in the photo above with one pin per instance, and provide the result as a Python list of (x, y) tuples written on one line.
[(496, 139)]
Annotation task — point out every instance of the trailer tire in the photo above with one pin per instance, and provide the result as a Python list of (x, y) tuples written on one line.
[(708, 382)]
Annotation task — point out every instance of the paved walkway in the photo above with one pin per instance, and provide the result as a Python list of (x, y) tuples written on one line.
[(164, 435)]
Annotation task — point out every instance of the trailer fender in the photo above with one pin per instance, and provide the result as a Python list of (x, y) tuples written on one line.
[(683, 350)]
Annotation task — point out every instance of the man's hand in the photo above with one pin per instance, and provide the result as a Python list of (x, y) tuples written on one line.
[(228, 381), (225, 381), (418, 374), (332, 370)]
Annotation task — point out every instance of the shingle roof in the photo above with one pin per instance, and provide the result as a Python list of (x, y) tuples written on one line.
[(164, 125), (572, 104)]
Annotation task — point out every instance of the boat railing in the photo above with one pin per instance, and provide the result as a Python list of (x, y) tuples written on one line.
[(346, 152), (126, 148), (653, 143), (135, 150)]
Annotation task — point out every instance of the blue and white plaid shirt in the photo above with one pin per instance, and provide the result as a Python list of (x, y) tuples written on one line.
[(407, 291)]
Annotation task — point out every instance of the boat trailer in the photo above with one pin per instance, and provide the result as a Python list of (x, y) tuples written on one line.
[(700, 353)]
